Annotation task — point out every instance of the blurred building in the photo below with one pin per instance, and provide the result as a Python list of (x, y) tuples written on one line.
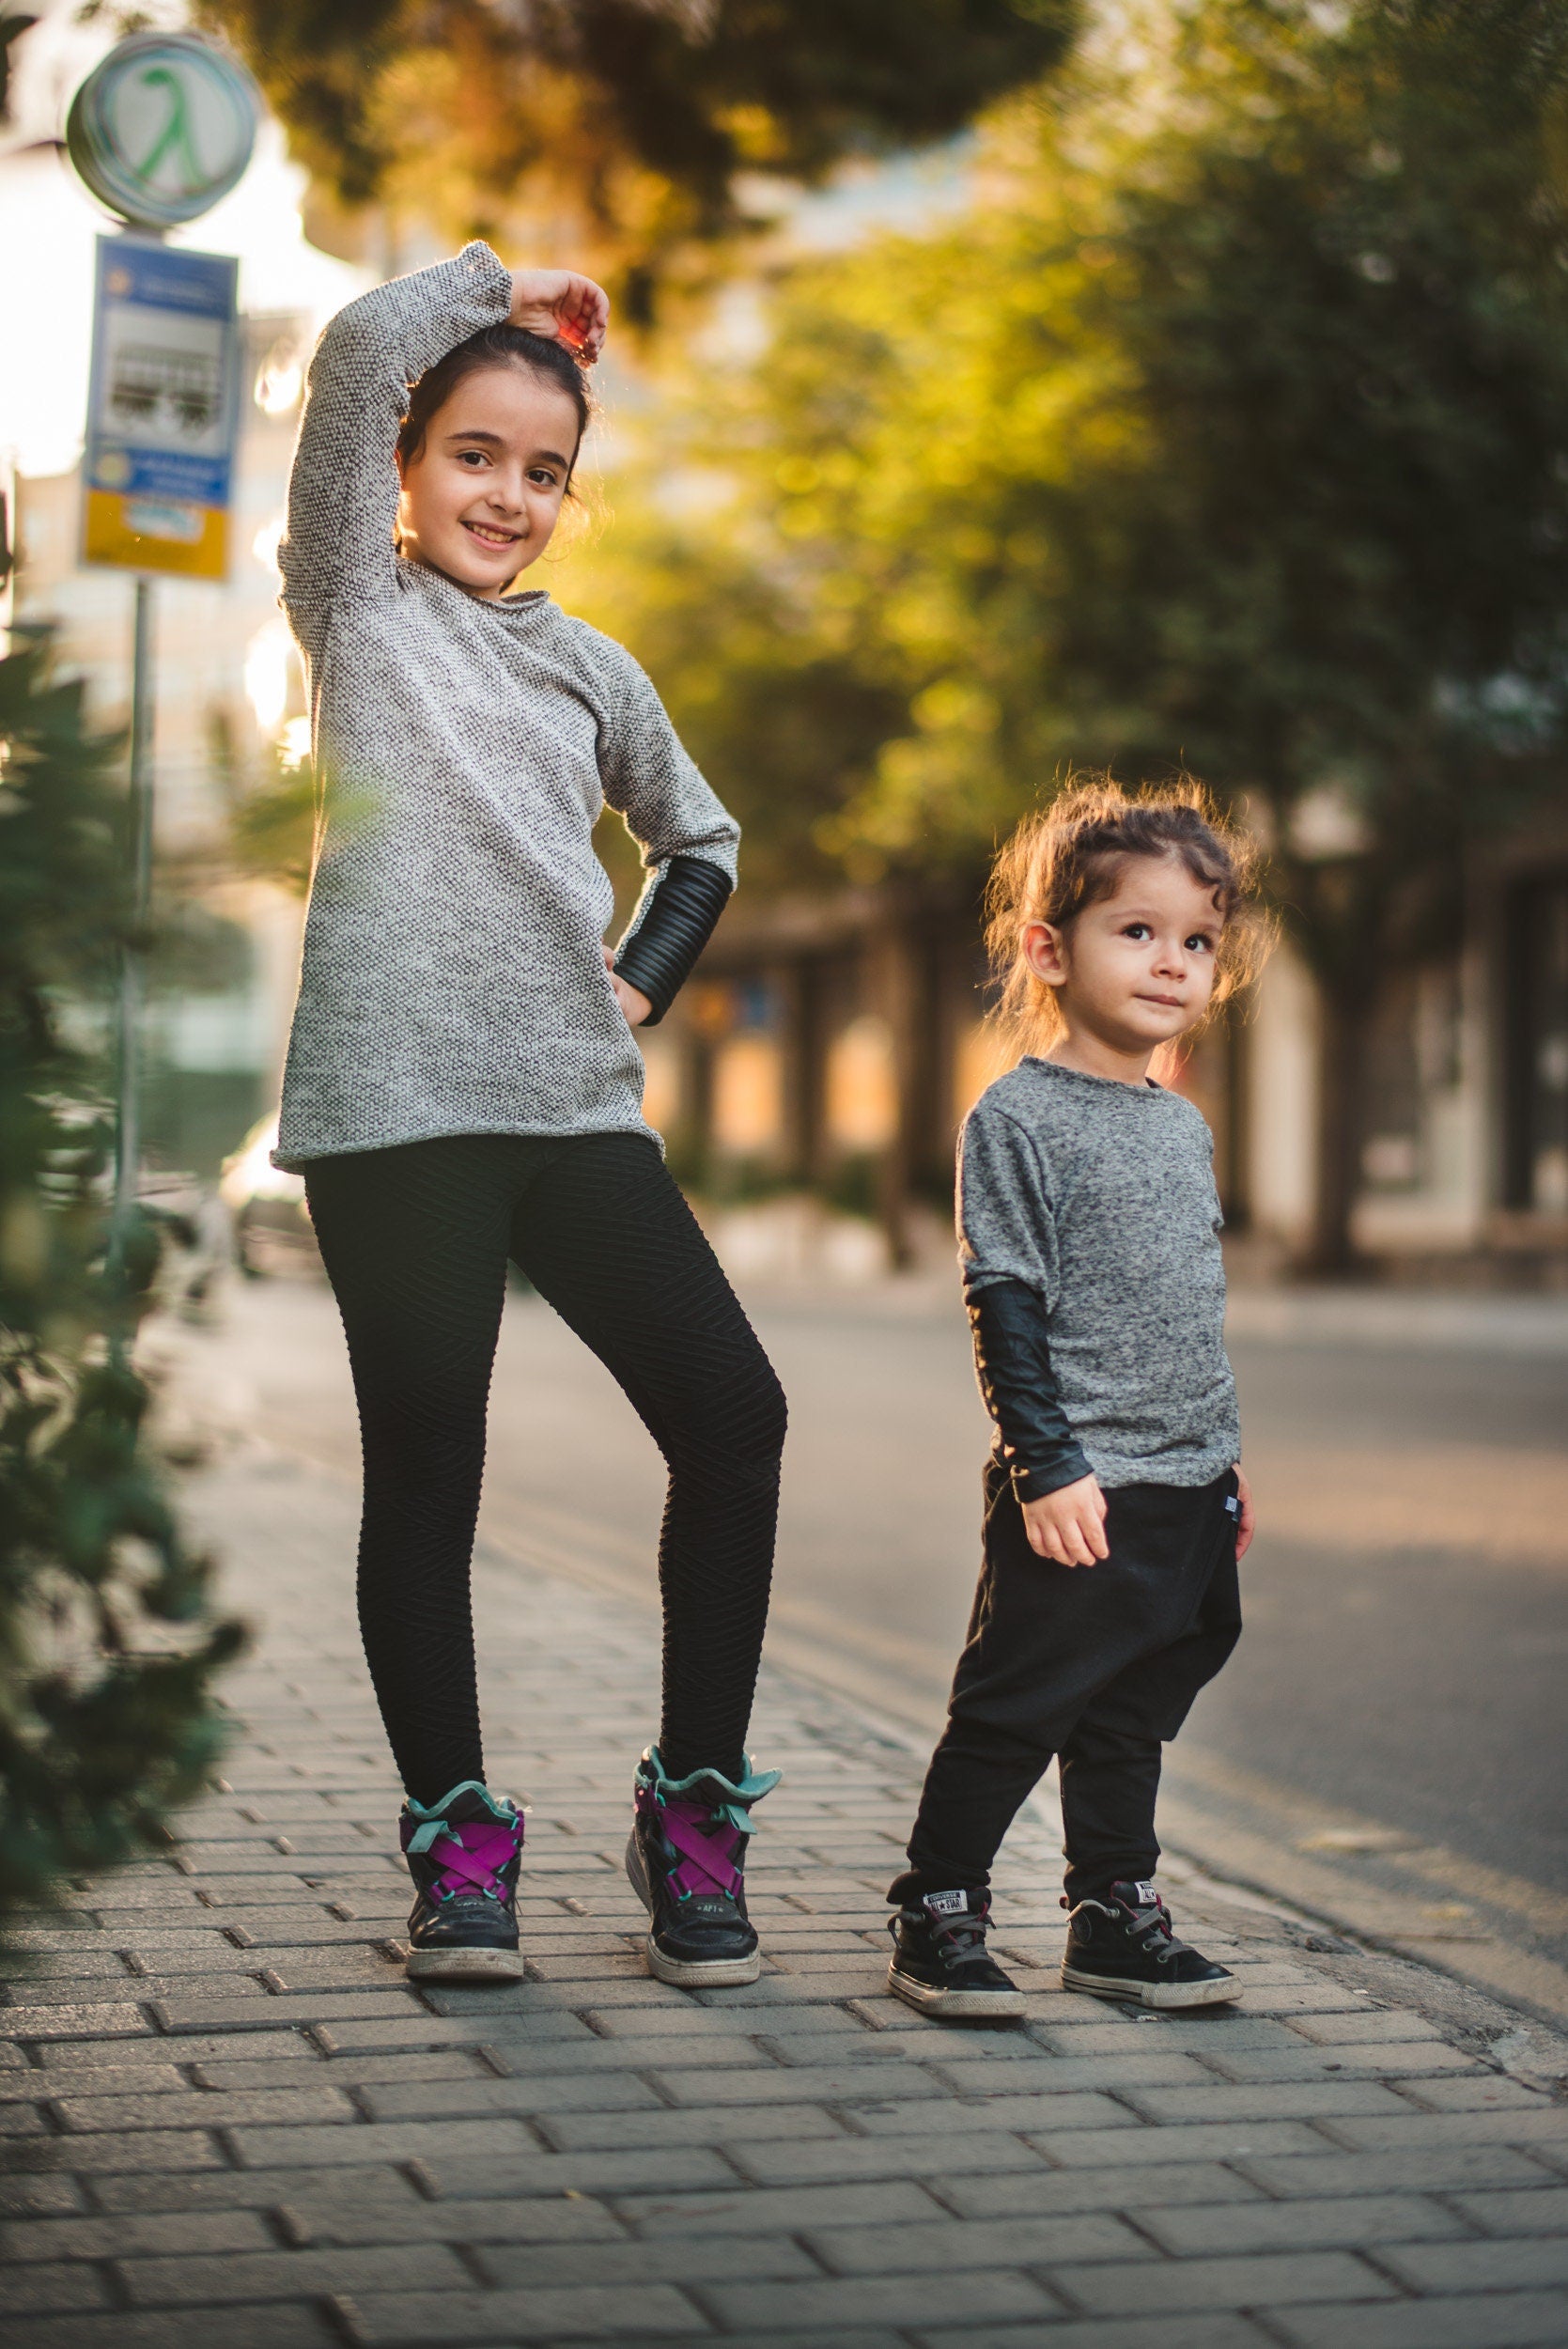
[(836, 1042)]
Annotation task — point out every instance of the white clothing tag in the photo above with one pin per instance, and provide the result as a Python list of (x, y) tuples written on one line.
[(947, 1904)]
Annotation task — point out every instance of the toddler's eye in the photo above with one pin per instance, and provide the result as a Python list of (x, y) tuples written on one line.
[(1137, 930), (1200, 942)]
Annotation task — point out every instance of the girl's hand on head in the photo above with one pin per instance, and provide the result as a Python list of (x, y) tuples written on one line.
[(631, 999), (564, 307), (1068, 1525), (1247, 1516)]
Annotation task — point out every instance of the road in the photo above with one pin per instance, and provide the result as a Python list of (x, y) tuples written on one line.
[(1390, 1747)]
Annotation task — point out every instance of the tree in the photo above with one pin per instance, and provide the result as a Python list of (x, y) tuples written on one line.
[(1229, 429), (108, 1645), (629, 119)]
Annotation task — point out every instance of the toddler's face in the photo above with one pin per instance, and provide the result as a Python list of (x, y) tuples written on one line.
[(1138, 968), (480, 500)]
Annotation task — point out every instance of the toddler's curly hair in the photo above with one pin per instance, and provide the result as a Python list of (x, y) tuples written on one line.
[(1071, 854)]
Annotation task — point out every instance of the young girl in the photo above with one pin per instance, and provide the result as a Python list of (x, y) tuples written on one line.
[(463, 1085), (1115, 1506)]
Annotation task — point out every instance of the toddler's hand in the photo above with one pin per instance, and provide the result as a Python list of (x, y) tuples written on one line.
[(564, 307), (1068, 1525), (1247, 1516), (631, 999)]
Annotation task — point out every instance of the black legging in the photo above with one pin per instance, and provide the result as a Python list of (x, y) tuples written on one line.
[(415, 1241)]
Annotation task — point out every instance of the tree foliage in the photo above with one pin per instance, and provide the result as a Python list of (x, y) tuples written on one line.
[(1229, 429), (630, 118), (107, 1642)]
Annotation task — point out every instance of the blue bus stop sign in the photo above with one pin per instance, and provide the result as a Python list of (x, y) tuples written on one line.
[(162, 127)]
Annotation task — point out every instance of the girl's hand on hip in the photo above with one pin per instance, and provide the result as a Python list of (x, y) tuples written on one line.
[(1068, 1525), (631, 999), (564, 307), (1246, 1515)]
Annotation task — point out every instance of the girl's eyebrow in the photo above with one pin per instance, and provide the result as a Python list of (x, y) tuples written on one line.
[(494, 439)]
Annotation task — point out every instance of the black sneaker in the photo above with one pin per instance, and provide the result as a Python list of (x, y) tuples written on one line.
[(939, 1965), (685, 1860), (463, 1854), (1123, 1947)]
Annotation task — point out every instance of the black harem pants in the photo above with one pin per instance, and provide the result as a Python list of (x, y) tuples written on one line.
[(1097, 1665)]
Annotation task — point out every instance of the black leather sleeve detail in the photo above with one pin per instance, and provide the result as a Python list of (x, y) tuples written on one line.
[(688, 899), (1011, 1359)]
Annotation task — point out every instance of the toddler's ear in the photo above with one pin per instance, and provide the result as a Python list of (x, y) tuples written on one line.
[(1043, 951)]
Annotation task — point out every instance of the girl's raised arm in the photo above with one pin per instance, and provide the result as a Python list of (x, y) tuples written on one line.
[(343, 489)]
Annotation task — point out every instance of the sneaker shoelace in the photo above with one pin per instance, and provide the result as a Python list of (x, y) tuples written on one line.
[(1148, 1925), (704, 1836)]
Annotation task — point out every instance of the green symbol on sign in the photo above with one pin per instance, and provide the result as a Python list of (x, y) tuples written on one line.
[(175, 137)]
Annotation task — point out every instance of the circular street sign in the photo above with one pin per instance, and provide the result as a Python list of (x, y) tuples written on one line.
[(162, 127)]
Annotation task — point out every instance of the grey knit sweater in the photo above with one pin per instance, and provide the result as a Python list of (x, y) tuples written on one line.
[(1100, 1198), (452, 980)]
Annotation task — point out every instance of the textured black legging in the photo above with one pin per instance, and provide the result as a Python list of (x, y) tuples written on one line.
[(415, 1241)]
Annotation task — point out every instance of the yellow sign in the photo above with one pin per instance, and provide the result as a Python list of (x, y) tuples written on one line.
[(137, 535)]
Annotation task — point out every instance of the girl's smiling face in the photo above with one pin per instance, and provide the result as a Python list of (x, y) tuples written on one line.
[(483, 494), (1135, 969)]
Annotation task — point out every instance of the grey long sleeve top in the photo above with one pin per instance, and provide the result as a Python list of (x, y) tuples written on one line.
[(1099, 1199), (452, 979)]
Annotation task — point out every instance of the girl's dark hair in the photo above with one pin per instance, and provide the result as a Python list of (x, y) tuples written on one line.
[(500, 346), (1071, 854)]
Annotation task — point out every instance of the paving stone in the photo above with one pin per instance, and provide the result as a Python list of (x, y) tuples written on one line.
[(70, 2057), (617, 2174), (314, 2104), (1208, 2332), (1542, 2211), (127, 2237), (1261, 2281), (390, 2320), (111, 2151), (950, 2245), (1484, 2092), (525, 2267), (849, 2084), (1500, 2266), (40, 2198), (834, 2303), (1363, 2026), (933, 2154), (790, 2210), (107, 2079), (1415, 2060), (1435, 2170), (254, 2189), (1174, 2147), (266, 2011), (1514, 2320), (1543, 2125), (720, 2125), (274, 2275), (44, 2290), (297, 2327), (347, 2219), (29, 2023), (606, 2091), (1347, 2221), (1307, 2100), (387, 2140), (1039, 2114), (1049, 2192)]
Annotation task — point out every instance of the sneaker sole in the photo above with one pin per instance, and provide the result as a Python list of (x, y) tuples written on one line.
[(956, 2006), (688, 1974), (465, 1965), (1166, 1995)]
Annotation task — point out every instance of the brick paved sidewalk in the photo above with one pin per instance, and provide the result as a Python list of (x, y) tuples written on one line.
[(226, 2116)]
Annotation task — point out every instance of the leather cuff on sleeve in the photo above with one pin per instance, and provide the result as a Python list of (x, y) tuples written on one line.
[(657, 958), (1011, 1359)]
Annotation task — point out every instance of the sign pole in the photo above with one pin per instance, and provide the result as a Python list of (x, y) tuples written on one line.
[(132, 986), (158, 132)]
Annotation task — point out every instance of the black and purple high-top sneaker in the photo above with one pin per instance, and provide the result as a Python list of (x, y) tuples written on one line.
[(686, 1862), (1124, 1947), (463, 1854)]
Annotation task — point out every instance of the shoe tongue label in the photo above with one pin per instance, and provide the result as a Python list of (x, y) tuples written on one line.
[(947, 1904), (1147, 1896)]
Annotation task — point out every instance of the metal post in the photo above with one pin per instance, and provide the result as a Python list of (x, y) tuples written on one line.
[(132, 986)]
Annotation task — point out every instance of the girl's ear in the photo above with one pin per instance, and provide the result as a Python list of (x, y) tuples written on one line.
[(1045, 951)]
